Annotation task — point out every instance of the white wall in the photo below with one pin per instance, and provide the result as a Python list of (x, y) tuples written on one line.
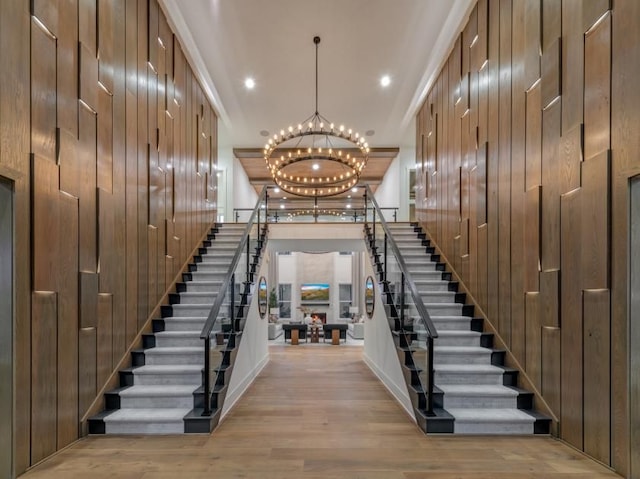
[(244, 195), (380, 352), (253, 353)]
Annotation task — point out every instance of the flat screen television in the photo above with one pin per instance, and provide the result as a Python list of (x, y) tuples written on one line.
[(314, 293)]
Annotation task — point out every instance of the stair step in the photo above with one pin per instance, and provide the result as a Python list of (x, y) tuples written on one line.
[(479, 396), (146, 421), (203, 275), (467, 374), (184, 323), (191, 310), (192, 297), (202, 286), (158, 396), (217, 258), (451, 323), (210, 267), (461, 355), (492, 421), (444, 309), (435, 285), (174, 356), (456, 338), (168, 374), (168, 339), (438, 296)]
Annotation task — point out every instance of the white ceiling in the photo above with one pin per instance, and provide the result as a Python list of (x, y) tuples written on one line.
[(272, 42)]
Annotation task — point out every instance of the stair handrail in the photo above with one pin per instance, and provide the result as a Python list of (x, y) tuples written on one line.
[(217, 304), (422, 310)]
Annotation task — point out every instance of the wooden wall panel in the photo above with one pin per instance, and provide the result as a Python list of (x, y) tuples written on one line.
[(571, 314), (597, 364), (550, 227), (44, 309), (69, 164), (595, 217), (597, 89), (551, 23), (551, 68), (570, 158), (533, 359), (106, 43), (107, 255), (45, 224), (592, 11), (43, 93), (88, 78), (105, 141), (549, 291), (104, 338), (482, 266), (625, 144), (88, 210), (551, 367), (87, 370), (532, 239), (87, 25), (572, 64), (88, 293), (68, 322), (533, 148)]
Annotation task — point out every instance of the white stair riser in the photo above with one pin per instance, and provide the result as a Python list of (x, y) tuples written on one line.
[(479, 401), (467, 378), (146, 402), (117, 427), (173, 358), (173, 379), (461, 358), (486, 427)]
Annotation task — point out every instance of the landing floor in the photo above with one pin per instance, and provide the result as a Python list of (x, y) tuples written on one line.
[(318, 413)]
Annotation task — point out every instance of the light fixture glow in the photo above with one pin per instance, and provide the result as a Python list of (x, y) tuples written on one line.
[(249, 83), (385, 81), (316, 166), (276, 190)]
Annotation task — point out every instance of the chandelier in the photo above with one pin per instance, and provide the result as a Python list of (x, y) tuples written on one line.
[(317, 158)]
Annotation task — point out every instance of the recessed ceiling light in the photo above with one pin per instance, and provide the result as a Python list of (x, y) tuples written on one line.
[(355, 190), (348, 206), (281, 207), (276, 190), (370, 132), (249, 83), (316, 166), (385, 81), (264, 133)]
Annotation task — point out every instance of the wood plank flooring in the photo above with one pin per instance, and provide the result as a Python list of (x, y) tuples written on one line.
[(318, 412)]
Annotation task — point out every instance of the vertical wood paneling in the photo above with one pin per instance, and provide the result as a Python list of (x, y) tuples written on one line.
[(550, 79), (67, 67), (572, 64), (551, 367), (597, 89), (106, 43), (533, 364), (88, 24), (43, 93), (550, 227), (88, 208), (597, 379), (549, 290), (532, 239), (551, 23), (87, 370), (45, 224), (625, 143), (571, 314), (533, 149), (595, 226), (532, 42), (88, 299), (88, 78), (104, 338), (570, 158), (68, 322), (105, 141), (482, 265), (107, 257), (44, 309)]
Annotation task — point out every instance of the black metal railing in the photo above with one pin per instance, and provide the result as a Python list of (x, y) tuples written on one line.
[(228, 313), (406, 308)]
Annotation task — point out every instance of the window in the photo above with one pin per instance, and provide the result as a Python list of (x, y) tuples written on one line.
[(284, 297), (344, 300)]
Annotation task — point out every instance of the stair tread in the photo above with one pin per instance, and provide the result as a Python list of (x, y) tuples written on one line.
[(478, 390), (173, 349), (468, 368), (180, 334), (158, 390), (167, 368), (147, 414), (455, 333), (487, 414), (462, 349)]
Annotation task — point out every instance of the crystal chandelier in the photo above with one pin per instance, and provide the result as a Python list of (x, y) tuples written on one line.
[(317, 158)]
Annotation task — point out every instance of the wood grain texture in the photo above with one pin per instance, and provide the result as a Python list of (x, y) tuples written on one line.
[(43, 93), (551, 367), (309, 429), (533, 364), (551, 72), (625, 142), (88, 24), (87, 370), (570, 158), (550, 227), (597, 382), (532, 40), (46, 224), (549, 298), (107, 255), (104, 338), (106, 43), (88, 194), (572, 64), (551, 23), (482, 265), (592, 11), (533, 138), (105, 141), (571, 314), (532, 239), (69, 164), (595, 217), (597, 89), (44, 306), (88, 78), (88, 292), (67, 360)]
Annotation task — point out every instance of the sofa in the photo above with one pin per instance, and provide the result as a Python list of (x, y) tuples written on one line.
[(356, 330), (275, 330)]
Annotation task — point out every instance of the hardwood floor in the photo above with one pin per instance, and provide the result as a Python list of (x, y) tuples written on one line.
[(318, 412)]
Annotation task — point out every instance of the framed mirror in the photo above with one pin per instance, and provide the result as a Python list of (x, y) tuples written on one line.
[(262, 297), (369, 296)]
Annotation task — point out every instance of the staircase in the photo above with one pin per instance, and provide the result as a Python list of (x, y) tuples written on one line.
[(474, 393), (162, 393)]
